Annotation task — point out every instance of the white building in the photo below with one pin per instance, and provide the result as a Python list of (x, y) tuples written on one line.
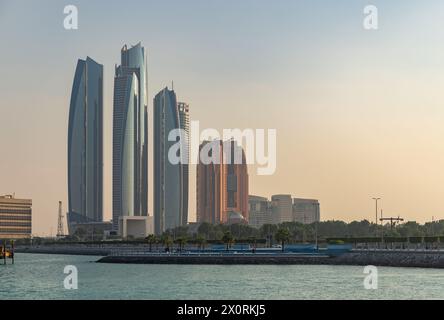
[(136, 226)]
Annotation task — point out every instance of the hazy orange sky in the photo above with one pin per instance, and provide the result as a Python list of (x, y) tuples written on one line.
[(358, 113)]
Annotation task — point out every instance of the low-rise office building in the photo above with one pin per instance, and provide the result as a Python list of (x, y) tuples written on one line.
[(282, 208), (306, 211), (260, 211), (15, 217), (136, 226)]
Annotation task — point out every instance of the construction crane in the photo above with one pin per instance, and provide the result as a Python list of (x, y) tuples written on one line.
[(393, 221), (60, 232)]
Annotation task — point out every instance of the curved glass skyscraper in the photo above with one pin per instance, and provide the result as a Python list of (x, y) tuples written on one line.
[(170, 180), (85, 144), (130, 136)]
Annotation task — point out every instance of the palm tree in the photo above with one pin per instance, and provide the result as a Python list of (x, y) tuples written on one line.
[(228, 239), (253, 241), (151, 239), (182, 241), (167, 241), (282, 235), (201, 242)]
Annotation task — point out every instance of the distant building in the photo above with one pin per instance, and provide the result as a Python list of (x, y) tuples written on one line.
[(136, 227), (260, 211), (85, 144), (170, 179), (15, 217), (282, 208), (306, 211), (234, 217), (222, 184)]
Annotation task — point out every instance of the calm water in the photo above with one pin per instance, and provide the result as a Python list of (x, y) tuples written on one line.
[(37, 276)]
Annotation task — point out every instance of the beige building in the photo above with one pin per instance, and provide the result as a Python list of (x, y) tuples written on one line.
[(282, 208), (260, 211), (306, 211), (15, 217)]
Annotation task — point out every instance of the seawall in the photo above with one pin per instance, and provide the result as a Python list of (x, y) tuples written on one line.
[(68, 250), (391, 258), (417, 259)]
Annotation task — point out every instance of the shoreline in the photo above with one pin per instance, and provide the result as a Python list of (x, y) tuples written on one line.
[(387, 258), (361, 258)]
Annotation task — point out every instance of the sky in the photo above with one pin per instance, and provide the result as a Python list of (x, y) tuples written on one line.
[(358, 113)]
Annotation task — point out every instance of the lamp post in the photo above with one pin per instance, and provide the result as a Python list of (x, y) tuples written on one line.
[(376, 203), (316, 218)]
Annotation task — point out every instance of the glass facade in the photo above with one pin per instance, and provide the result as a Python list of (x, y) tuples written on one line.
[(170, 185), (85, 143), (130, 136)]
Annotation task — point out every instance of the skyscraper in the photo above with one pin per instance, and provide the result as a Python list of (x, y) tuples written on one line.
[(222, 184), (210, 184), (236, 180), (184, 123), (170, 185), (85, 144), (130, 135)]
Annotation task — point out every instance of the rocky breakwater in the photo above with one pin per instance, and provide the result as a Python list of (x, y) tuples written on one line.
[(392, 258)]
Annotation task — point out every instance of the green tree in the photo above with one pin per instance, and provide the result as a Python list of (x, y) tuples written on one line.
[(201, 242), (228, 239), (166, 241), (181, 241), (151, 239), (206, 229), (282, 235)]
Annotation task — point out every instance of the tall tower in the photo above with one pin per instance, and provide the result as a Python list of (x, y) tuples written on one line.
[(130, 135), (184, 124), (60, 228), (236, 177), (210, 195), (85, 144), (170, 180), (222, 184)]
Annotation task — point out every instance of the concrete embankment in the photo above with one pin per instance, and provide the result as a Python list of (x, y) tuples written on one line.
[(215, 259), (378, 258), (391, 258), (68, 250)]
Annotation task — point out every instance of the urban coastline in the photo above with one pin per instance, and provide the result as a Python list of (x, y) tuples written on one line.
[(231, 225), (424, 254)]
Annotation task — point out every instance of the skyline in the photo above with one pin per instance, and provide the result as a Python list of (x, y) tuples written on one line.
[(360, 121)]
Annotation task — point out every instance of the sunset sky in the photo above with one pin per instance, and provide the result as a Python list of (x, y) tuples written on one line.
[(358, 113)]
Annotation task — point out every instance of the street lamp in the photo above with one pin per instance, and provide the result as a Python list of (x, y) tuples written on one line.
[(316, 209), (376, 202)]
